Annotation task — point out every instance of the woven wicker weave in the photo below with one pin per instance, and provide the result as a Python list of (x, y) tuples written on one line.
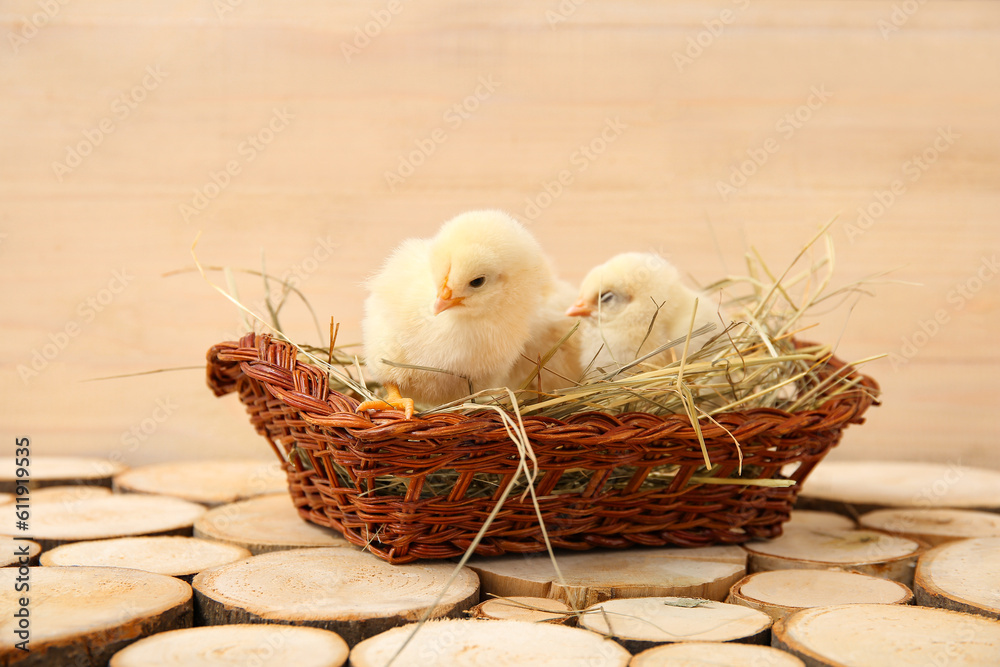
[(310, 427)]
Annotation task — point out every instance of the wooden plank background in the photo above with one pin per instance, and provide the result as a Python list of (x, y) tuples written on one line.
[(119, 121)]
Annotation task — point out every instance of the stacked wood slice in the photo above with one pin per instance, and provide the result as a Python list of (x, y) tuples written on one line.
[(933, 526), (83, 615), (61, 470), (642, 623), (702, 654), (857, 487), (897, 635), (262, 645), (349, 592), (532, 610), (14, 551), (459, 643), (865, 551), (207, 482), (592, 577), (781, 592), (264, 524), (962, 575), (818, 520), (117, 515), (181, 557)]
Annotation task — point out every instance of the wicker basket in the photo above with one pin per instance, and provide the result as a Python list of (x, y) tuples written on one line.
[(311, 428)]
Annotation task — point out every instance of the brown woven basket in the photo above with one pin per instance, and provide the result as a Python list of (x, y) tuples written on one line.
[(310, 427)]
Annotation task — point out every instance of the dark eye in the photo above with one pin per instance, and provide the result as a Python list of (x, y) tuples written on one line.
[(606, 297), (477, 282)]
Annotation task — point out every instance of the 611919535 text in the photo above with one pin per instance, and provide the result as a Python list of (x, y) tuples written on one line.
[(22, 515)]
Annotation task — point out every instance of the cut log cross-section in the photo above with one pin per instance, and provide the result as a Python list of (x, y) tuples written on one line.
[(963, 576), (880, 634), (593, 577), (181, 557), (782, 592), (471, 643), (81, 616), (236, 646), (857, 487), (642, 623), (208, 482), (344, 590), (117, 515), (264, 524), (933, 526), (864, 551)]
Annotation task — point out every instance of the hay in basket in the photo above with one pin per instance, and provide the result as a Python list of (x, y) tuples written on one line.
[(688, 454)]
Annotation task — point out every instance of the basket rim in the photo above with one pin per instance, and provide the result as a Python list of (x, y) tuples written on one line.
[(255, 352)]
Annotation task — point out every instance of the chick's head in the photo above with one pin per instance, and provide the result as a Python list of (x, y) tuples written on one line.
[(624, 288), (486, 263)]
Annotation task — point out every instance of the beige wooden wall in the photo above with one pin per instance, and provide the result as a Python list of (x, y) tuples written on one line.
[(119, 121)]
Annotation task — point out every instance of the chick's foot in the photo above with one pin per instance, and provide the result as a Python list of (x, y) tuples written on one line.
[(393, 401)]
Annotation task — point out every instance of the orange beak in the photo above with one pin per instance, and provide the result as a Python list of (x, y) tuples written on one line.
[(579, 309), (445, 300)]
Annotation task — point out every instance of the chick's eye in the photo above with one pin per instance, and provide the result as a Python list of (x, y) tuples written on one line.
[(477, 282), (606, 297)]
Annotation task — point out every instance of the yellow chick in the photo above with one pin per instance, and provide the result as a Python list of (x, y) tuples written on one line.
[(617, 302), (467, 301)]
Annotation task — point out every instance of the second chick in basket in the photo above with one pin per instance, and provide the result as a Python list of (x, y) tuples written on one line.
[(619, 300)]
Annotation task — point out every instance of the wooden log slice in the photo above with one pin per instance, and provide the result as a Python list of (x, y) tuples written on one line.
[(933, 526), (857, 487), (207, 482), (592, 577), (261, 645), (350, 592), (456, 643), (181, 557), (81, 616), (781, 592), (102, 517), (963, 576), (532, 610), (60, 470), (264, 524), (704, 654), (18, 552), (642, 623), (865, 551), (68, 494), (818, 520), (879, 635)]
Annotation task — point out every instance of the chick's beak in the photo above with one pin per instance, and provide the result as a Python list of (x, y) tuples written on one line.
[(579, 309), (445, 300)]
